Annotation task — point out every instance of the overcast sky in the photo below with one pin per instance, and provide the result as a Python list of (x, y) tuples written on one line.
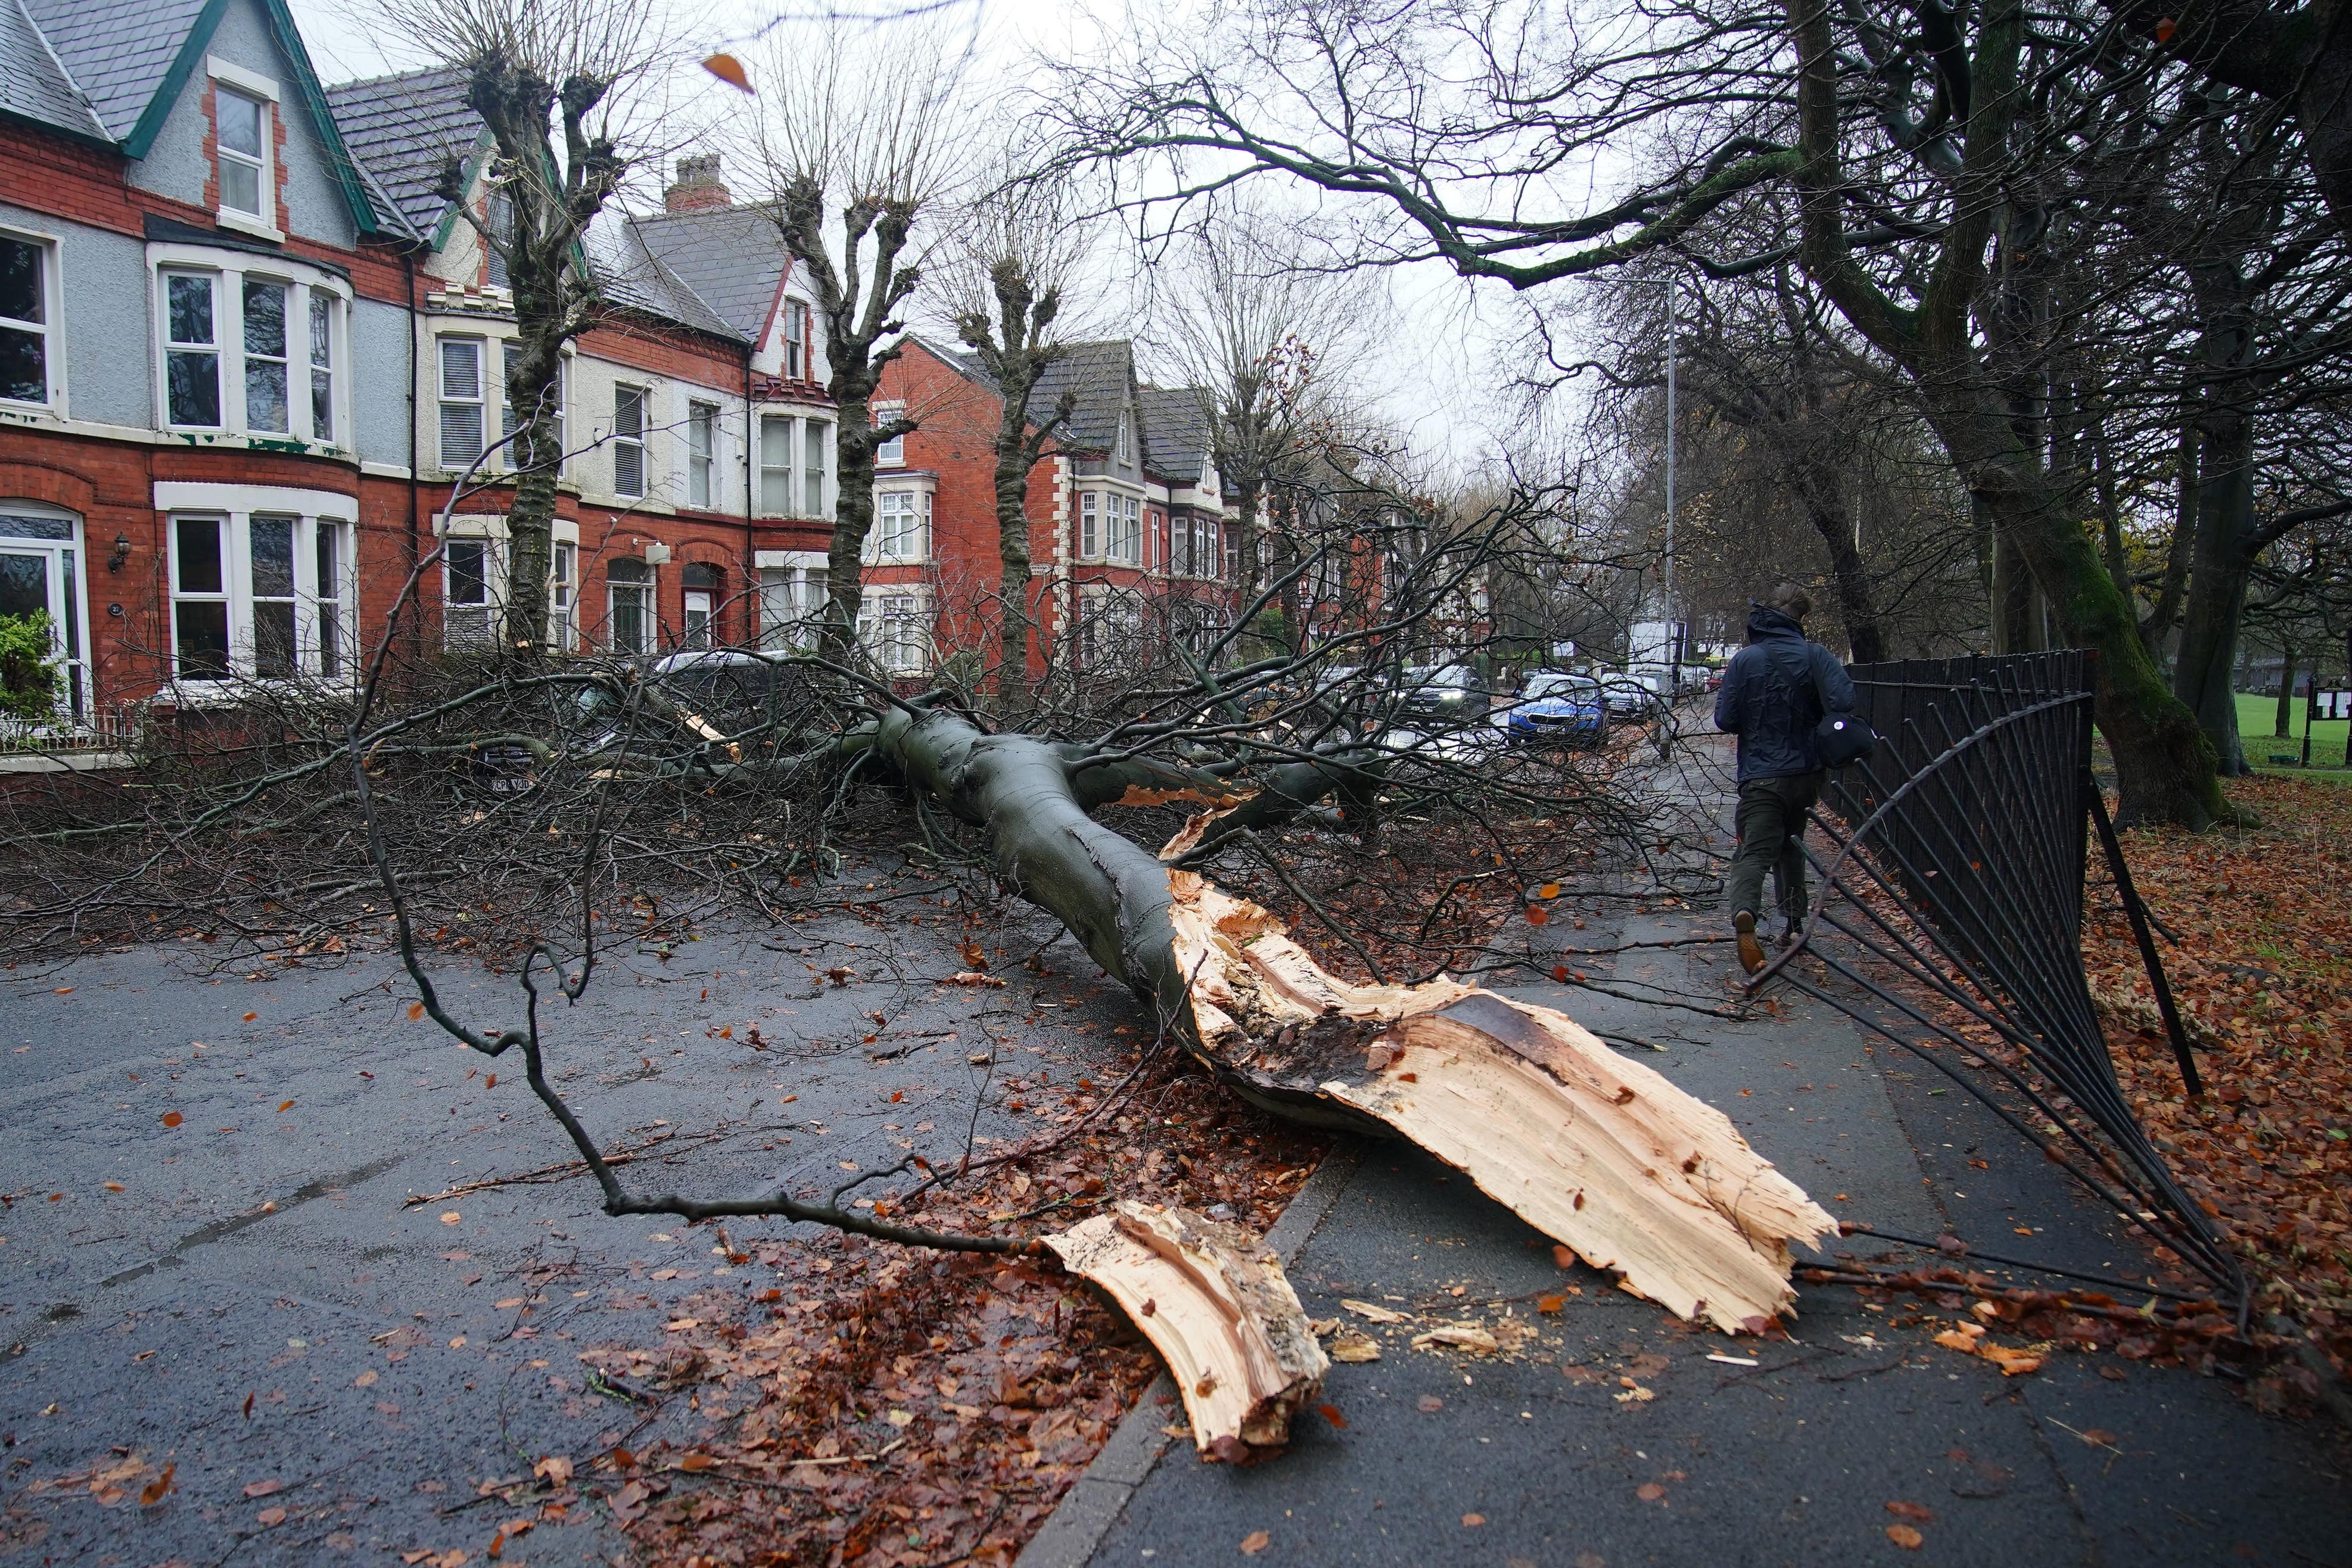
[(1431, 371)]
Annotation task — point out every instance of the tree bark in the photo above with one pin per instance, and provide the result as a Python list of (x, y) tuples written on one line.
[(1823, 496), (1603, 1154), (2283, 726)]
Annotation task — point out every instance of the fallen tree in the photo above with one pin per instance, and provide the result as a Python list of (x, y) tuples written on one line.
[(540, 813)]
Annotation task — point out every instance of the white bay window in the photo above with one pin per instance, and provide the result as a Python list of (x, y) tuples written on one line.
[(255, 352), (261, 583)]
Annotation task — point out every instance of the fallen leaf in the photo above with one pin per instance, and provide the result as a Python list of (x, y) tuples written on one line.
[(728, 69), (554, 1470), (1331, 1413), (173, 1118), (285, 1106), (1256, 1541), (1649, 1491), (1473, 1520), (270, 1517), (1563, 1256), (152, 1492), (1905, 1537), (452, 1217), (1429, 1404), (366, 1379), (114, 1186), (1550, 1304), (1918, 1513), (695, 1461), (415, 1011), (2099, 1437), (250, 1017), (263, 1489)]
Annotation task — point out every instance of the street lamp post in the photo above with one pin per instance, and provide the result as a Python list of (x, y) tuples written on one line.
[(1673, 639)]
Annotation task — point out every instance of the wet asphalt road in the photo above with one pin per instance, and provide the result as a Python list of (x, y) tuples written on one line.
[(334, 1374)]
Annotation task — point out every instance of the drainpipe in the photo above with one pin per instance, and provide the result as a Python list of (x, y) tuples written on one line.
[(417, 621), (751, 434)]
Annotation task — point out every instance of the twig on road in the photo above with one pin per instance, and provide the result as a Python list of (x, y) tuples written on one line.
[(563, 1172)]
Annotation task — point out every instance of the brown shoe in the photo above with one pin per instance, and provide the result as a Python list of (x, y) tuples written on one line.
[(1751, 951)]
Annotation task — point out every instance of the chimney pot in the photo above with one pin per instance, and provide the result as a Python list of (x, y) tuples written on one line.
[(698, 187)]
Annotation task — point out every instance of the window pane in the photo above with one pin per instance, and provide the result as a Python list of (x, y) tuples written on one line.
[(24, 366), (191, 309), (200, 555), (24, 583), (203, 639), (628, 619), (240, 187), (461, 368), (628, 412), (813, 464), (265, 395), (461, 434), (468, 578), (21, 297), (273, 557), (239, 122), (194, 381), (322, 406), (330, 579), (265, 319), (323, 331), (273, 636), (628, 469)]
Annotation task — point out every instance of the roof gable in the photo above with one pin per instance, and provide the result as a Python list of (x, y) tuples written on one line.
[(34, 83), (1100, 376), (731, 258), (401, 129), (131, 59)]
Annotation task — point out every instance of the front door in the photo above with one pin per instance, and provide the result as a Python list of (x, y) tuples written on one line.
[(698, 618), (40, 574)]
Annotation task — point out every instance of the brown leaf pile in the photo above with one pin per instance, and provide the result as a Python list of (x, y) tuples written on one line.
[(2262, 970), (878, 1404)]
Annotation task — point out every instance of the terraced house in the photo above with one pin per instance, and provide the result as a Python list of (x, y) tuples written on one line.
[(247, 349)]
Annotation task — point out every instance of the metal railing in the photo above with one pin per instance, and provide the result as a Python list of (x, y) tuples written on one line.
[(1952, 906)]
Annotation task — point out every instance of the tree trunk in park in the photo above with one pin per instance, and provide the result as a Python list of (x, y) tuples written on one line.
[(1603, 1155), (2283, 726), (1823, 497)]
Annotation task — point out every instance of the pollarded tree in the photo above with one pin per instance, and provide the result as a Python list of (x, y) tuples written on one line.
[(546, 77), (872, 130)]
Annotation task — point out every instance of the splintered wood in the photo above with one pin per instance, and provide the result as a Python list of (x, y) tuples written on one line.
[(1601, 1153), (1214, 1301)]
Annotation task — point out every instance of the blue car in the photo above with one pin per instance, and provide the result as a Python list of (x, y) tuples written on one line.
[(1560, 709)]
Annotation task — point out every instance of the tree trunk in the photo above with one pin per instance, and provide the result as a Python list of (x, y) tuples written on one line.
[(2283, 727), (1013, 585), (1823, 499), (533, 390), (1603, 1154), (2016, 617), (853, 520), (2216, 604)]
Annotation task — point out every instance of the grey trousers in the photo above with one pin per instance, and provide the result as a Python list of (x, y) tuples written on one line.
[(1771, 823)]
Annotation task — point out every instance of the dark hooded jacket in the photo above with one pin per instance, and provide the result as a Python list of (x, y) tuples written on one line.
[(1769, 699)]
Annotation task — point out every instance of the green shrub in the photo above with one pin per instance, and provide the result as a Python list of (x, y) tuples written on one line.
[(28, 673)]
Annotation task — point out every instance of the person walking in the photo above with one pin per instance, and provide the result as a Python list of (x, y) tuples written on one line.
[(1772, 697)]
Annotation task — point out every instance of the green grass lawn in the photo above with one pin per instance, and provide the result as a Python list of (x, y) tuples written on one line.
[(2257, 716)]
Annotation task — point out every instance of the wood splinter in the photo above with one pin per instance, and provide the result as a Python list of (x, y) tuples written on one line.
[(1214, 1301)]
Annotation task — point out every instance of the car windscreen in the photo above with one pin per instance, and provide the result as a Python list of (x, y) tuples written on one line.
[(1571, 687)]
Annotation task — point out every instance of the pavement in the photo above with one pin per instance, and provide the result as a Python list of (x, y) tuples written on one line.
[(1550, 1457), (331, 1373)]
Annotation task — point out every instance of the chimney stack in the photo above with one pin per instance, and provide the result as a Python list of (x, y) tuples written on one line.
[(698, 188)]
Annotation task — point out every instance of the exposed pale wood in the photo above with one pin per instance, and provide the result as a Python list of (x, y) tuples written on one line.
[(1214, 1301), (1597, 1152)]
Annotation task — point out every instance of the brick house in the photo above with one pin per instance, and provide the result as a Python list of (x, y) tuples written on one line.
[(247, 349), (1127, 515)]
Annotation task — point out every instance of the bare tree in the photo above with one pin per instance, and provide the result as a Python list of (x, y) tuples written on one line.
[(547, 77), (1022, 248), (869, 121)]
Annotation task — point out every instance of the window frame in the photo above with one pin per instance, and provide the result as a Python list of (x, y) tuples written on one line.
[(797, 365), (816, 435), (773, 482), (321, 611), (1091, 510), (702, 485), (47, 331), (227, 274), (442, 401), (508, 349), (890, 454), (629, 445), (233, 80), (645, 590), (897, 527)]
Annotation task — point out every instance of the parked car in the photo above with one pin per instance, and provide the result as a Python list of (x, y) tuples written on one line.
[(1442, 694), (1554, 709), (1628, 697)]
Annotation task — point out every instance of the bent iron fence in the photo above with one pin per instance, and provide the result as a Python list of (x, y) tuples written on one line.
[(1952, 896)]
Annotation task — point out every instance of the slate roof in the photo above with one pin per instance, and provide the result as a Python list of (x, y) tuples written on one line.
[(730, 257), (1175, 431), (1101, 373), (402, 129), (632, 276), (117, 51), (33, 83)]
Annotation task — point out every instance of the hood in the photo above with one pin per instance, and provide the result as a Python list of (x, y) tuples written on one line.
[(1764, 621)]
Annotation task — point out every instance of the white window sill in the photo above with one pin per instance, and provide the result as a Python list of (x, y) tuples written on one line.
[(245, 223), (237, 689)]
